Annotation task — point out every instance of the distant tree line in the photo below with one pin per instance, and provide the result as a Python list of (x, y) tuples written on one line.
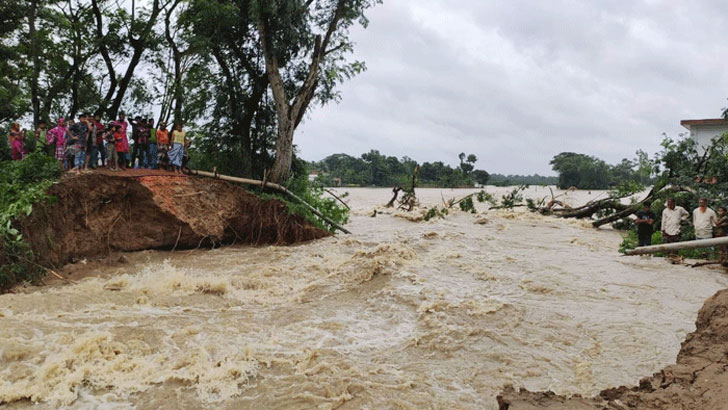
[(588, 172), (513, 180), (376, 169)]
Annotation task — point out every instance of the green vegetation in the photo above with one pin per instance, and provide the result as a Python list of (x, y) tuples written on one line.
[(682, 172), (22, 184), (514, 180), (376, 169), (467, 203), (315, 196), (239, 74), (588, 172)]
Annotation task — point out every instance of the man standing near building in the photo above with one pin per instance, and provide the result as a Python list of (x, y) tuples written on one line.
[(704, 219), (645, 221), (672, 216)]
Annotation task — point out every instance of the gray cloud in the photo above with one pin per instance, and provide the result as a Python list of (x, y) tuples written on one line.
[(520, 81)]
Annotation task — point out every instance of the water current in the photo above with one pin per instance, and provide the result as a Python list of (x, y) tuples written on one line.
[(399, 314)]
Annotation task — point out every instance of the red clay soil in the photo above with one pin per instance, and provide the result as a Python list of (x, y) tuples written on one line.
[(698, 380), (101, 211)]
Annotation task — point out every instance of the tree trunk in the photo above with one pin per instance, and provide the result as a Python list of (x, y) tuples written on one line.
[(177, 58), (676, 246), (138, 46), (284, 151), (124, 83), (35, 61), (104, 50), (289, 113)]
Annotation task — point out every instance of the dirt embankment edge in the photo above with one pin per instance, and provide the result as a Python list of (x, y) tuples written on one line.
[(96, 214), (698, 379)]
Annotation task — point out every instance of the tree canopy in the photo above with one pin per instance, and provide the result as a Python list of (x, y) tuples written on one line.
[(241, 74), (376, 169), (587, 172)]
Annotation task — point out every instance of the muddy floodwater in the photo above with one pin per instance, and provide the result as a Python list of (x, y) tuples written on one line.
[(399, 314)]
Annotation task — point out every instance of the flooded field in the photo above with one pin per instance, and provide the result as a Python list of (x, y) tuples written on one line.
[(400, 314)]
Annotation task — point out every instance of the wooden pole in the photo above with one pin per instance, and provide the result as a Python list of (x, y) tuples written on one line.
[(272, 186), (676, 246)]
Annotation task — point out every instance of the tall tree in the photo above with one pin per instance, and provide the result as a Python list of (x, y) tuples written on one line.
[(241, 115), (13, 100), (322, 28), (139, 37)]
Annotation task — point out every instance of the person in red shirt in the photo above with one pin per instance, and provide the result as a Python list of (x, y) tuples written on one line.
[(121, 145)]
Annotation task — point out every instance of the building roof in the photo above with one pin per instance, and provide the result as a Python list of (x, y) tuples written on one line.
[(709, 121)]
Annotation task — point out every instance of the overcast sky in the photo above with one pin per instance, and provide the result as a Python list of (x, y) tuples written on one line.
[(517, 82)]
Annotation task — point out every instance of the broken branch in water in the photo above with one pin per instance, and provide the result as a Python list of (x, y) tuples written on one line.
[(395, 193), (337, 198)]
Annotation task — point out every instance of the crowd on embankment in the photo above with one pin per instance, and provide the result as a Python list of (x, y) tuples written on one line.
[(89, 143)]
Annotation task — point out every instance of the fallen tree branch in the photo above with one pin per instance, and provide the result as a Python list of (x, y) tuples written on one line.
[(274, 186), (676, 246), (698, 264), (395, 193), (339, 199)]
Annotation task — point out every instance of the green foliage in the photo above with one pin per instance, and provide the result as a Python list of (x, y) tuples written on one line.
[(693, 174), (436, 213), (587, 172), (535, 205), (511, 180), (376, 169), (467, 205), (513, 198), (626, 188), (22, 184), (483, 196), (315, 196)]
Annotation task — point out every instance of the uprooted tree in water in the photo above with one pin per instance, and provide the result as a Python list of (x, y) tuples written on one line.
[(408, 201), (682, 170)]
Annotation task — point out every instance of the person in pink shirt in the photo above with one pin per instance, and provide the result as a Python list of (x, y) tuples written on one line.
[(124, 143), (56, 137), (15, 138)]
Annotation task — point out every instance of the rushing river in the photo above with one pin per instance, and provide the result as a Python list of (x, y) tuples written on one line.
[(400, 314)]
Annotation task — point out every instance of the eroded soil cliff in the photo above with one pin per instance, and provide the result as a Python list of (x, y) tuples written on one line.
[(698, 380), (101, 212)]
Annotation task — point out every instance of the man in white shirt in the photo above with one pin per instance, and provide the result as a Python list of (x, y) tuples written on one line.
[(704, 219), (672, 216)]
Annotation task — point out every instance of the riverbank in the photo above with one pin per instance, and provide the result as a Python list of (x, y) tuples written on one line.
[(698, 379), (101, 212)]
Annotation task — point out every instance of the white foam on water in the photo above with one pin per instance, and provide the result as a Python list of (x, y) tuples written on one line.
[(400, 314)]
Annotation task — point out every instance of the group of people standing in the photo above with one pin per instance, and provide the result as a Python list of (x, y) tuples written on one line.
[(87, 143), (706, 223)]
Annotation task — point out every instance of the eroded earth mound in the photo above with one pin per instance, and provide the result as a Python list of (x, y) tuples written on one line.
[(101, 212), (698, 380)]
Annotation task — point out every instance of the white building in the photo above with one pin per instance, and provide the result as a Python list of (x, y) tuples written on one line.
[(703, 131)]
